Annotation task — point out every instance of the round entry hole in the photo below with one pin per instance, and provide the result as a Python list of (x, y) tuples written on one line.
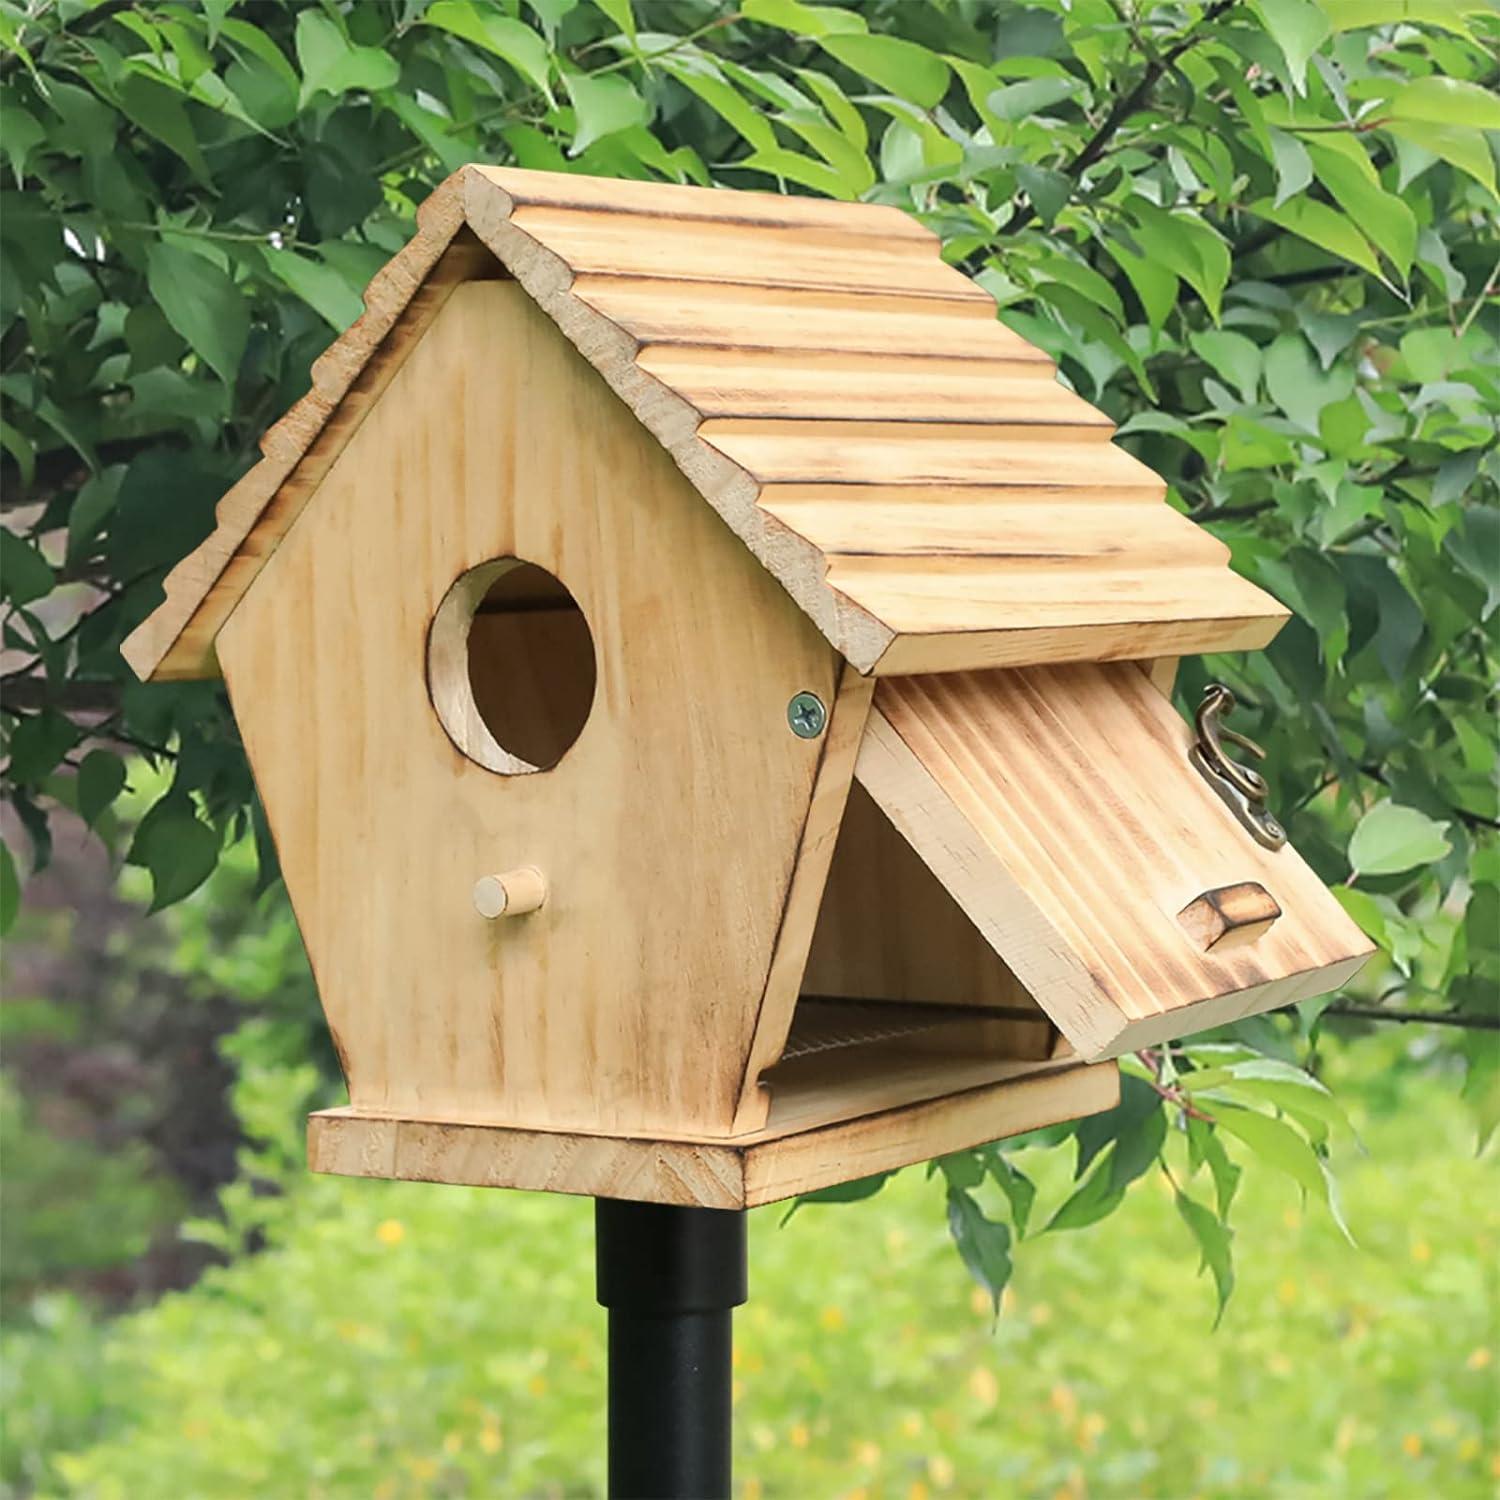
[(510, 666)]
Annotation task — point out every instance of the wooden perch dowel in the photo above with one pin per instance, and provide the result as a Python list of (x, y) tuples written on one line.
[(510, 895)]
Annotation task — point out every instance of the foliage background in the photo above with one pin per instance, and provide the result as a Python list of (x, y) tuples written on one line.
[(1260, 233)]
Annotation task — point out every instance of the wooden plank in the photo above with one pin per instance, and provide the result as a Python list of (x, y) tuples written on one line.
[(599, 241), (647, 202), (1107, 640), (656, 310), (627, 1002), (1016, 612), (1058, 806), (743, 1174), (804, 384), (1026, 525), (347, 1144), (1162, 672), (840, 745), (826, 1087), (777, 451), (802, 1163)]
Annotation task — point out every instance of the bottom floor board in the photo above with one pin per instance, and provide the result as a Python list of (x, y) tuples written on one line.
[(733, 1173)]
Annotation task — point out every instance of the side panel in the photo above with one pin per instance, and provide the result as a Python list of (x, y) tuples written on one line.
[(1059, 808), (668, 832)]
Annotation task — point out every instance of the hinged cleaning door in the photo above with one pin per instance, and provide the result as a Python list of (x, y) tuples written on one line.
[(1059, 808)]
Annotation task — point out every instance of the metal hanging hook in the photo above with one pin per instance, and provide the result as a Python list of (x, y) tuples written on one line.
[(1242, 789)]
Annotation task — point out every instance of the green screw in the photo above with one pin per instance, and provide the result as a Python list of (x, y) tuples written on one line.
[(807, 716)]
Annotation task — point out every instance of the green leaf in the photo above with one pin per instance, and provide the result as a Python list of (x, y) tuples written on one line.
[(620, 13), (1234, 356), (176, 847), (1299, 28), (1345, 170), (1186, 245), (983, 1244), (101, 778), (1350, 15), (202, 303), (905, 69), (1391, 838), (961, 1169), (332, 64), (1298, 384), (1138, 1100), (1277, 1144), (1019, 101), (1467, 150), (1474, 544), (1322, 226), (705, 80), (510, 40), (10, 890), (1154, 284), (806, 170), (843, 1192), (1368, 911), (1481, 1090), (1019, 1190), (1447, 101), (159, 112), (20, 133), (1213, 1238), (320, 286), (24, 573), (602, 107), (38, 743), (1293, 165), (847, 162), (91, 505), (838, 108), (1095, 1200), (1204, 1145), (1049, 192), (803, 20)]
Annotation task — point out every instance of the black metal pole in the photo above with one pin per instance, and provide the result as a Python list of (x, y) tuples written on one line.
[(670, 1278)]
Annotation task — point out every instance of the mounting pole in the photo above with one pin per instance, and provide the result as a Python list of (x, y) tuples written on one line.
[(670, 1278)]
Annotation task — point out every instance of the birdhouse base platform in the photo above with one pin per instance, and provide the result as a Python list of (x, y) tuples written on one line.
[(798, 1150)]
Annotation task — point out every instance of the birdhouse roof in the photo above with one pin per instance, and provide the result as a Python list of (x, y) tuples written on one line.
[(907, 467)]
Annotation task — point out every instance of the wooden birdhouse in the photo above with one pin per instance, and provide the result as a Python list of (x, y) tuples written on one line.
[(706, 679)]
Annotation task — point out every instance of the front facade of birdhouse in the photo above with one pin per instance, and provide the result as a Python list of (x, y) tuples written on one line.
[(705, 678)]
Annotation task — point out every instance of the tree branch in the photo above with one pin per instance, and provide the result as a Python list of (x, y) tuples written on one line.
[(1416, 1017), (1127, 105)]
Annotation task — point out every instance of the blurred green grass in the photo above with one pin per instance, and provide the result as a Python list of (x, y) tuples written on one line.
[(408, 1341)]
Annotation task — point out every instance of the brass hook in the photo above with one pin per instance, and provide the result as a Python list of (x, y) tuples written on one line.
[(1242, 789)]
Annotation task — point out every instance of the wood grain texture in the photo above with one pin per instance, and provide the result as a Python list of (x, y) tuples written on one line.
[(771, 344), (888, 930), (840, 745), (668, 833), (802, 1163), (349, 1144), (744, 1173), (1058, 807)]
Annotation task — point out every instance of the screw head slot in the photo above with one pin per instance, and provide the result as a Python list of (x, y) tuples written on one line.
[(807, 715)]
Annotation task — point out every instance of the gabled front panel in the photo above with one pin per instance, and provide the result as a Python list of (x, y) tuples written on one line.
[(1059, 807), (666, 835)]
